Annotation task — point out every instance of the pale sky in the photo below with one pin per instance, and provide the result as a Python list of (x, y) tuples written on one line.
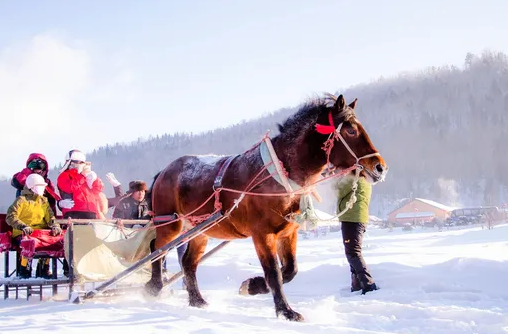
[(81, 74)]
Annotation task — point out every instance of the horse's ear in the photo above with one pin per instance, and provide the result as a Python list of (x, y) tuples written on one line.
[(340, 103), (352, 105)]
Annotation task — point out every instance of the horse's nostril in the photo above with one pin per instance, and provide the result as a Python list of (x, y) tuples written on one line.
[(379, 168)]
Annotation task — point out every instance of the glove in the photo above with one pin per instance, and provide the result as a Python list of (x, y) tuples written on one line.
[(27, 230), (112, 179), (66, 203), (56, 230), (90, 179), (87, 169)]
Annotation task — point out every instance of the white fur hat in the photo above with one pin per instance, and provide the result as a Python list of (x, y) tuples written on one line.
[(73, 155)]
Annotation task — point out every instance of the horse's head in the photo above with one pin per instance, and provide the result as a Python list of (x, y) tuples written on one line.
[(348, 142)]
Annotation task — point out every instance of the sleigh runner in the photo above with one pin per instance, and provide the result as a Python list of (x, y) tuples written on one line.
[(99, 250)]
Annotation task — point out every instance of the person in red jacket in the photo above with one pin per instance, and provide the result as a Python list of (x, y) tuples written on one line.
[(38, 164), (80, 187)]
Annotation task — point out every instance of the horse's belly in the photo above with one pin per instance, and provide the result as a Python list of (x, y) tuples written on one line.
[(225, 233), (224, 230)]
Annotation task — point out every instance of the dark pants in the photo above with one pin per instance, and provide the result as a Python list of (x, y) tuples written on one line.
[(80, 215), (352, 236), (181, 251)]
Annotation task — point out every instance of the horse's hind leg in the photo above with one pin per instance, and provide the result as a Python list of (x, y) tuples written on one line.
[(163, 236), (195, 250), (286, 249), (266, 248)]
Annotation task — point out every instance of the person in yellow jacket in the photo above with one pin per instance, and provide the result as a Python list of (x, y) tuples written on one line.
[(353, 225), (31, 211)]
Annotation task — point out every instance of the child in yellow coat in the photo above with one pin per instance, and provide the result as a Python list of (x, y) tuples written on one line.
[(31, 211)]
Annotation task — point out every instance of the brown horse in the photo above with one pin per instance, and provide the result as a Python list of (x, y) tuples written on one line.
[(188, 182)]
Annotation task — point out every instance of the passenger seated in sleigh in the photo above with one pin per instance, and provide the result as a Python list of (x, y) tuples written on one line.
[(82, 190), (29, 212), (36, 164), (134, 206), (80, 187)]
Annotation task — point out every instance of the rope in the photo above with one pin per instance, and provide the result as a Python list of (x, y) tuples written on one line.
[(303, 190)]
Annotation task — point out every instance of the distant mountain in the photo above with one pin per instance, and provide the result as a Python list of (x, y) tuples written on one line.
[(443, 133)]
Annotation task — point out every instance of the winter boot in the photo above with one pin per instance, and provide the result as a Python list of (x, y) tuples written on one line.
[(65, 267), (368, 288), (43, 269), (355, 283), (25, 268)]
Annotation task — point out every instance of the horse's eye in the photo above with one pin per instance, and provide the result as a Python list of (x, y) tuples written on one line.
[(351, 131)]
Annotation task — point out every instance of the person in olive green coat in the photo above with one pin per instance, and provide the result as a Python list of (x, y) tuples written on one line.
[(353, 225)]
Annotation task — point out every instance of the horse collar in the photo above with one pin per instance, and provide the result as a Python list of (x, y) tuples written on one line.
[(270, 160)]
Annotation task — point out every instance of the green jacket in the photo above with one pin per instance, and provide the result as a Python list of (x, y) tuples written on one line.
[(359, 213)]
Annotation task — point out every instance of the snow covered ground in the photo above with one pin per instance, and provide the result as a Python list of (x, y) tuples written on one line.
[(431, 282)]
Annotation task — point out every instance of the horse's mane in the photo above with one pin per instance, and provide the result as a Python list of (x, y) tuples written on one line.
[(295, 129), (306, 116)]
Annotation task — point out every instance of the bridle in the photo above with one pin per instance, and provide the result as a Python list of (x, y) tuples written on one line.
[(334, 133)]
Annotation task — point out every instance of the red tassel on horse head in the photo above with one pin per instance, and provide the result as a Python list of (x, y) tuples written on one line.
[(326, 129)]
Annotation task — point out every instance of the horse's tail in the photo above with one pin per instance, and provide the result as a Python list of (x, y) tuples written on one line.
[(149, 194)]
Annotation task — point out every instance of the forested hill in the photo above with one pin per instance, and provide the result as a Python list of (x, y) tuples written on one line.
[(442, 131)]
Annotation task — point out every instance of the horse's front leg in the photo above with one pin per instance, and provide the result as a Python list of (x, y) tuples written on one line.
[(163, 235), (195, 250), (286, 249), (266, 248)]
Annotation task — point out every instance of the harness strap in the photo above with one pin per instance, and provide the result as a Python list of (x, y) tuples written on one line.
[(157, 220), (217, 183), (164, 219)]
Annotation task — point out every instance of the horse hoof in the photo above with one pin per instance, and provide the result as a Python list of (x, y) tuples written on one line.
[(153, 289), (254, 286), (291, 315), (244, 288), (199, 303)]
